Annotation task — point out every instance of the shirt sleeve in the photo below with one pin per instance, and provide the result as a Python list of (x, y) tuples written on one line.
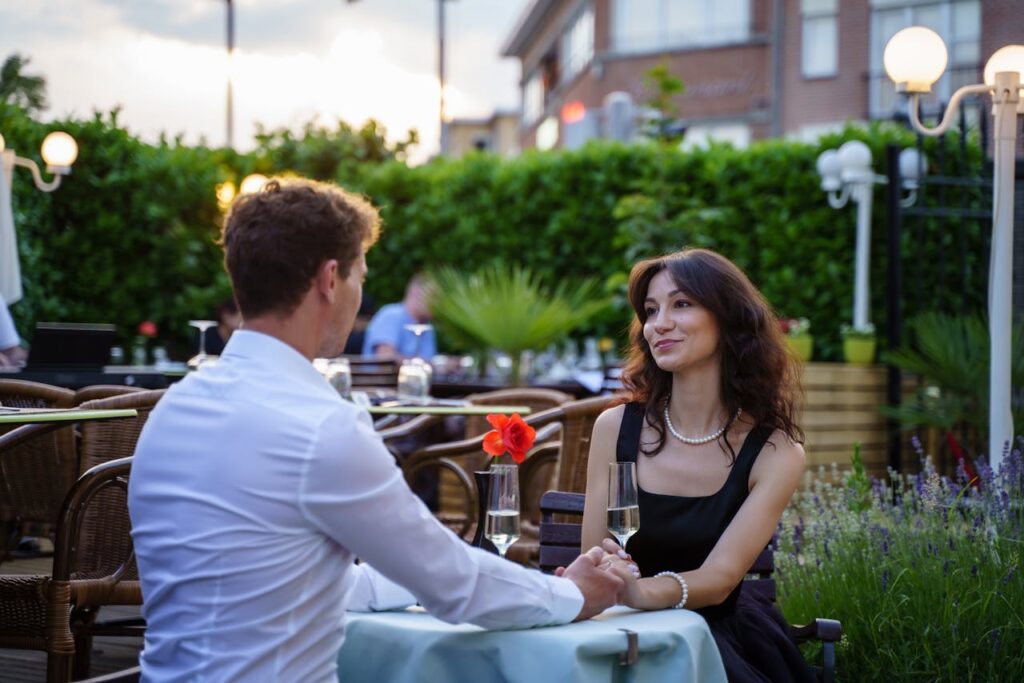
[(384, 328), (355, 493), (371, 591), (8, 333)]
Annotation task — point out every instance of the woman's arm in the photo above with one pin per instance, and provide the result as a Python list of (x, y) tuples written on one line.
[(602, 452), (774, 478)]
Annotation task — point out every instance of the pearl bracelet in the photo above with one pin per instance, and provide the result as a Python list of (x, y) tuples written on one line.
[(682, 585)]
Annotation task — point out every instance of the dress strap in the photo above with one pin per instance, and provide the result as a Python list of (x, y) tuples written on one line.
[(751, 448), (628, 445)]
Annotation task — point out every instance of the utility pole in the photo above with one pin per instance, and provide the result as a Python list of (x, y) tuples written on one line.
[(440, 71), (230, 127)]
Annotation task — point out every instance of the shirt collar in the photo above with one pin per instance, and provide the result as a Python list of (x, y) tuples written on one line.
[(264, 349)]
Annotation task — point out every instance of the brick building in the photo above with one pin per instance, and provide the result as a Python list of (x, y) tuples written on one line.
[(752, 68)]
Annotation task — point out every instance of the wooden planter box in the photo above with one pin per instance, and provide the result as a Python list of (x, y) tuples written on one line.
[(840, 408)]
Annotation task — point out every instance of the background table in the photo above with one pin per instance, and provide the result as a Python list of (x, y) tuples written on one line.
[(674, 645), (448, 410)]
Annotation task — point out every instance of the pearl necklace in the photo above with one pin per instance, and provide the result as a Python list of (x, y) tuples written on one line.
[(699, 440)]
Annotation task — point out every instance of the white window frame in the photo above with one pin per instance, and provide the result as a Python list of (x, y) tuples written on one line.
[(825, 15), (533, 98), (576, 48), (709, 35)]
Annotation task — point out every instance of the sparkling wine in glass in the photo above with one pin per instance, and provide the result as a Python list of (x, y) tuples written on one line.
[(623, 509), (503, 507), (202, 357)]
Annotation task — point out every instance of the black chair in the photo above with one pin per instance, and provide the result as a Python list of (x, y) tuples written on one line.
[(560, 544)]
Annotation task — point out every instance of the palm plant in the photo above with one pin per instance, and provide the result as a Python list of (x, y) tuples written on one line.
[(20, 89), (951, 355), (509, 309)]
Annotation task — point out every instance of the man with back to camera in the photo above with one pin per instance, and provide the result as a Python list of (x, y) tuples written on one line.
[(255, 486)]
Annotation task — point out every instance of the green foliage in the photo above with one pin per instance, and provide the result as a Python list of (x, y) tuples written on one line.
[(324, 153), (509, 309), (130, 234), (858, 484), (18, 88), (663, 86), (928, 588), (951, 354)]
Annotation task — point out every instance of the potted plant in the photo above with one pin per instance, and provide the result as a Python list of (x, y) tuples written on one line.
[(798, 337), (509, 309), (859, 343)]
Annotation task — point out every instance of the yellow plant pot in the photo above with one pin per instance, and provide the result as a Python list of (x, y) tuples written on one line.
[(802, 346), (859, 351)]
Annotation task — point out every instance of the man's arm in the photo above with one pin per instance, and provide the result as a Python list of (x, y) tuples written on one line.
[(354, 492)]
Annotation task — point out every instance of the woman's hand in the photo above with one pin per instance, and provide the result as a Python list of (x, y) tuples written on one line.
[(620, 563)]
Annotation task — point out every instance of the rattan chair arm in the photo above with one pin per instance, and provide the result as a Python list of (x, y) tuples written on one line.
[(410, 428), (469, 504), (25, 433), (73, 510)]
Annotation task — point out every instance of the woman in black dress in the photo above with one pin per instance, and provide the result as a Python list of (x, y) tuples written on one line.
[(710, 424)]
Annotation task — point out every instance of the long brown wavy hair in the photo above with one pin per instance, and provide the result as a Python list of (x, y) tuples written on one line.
[(759, 374)]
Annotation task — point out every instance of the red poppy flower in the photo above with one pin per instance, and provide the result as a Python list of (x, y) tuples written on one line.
[(147, 328), (510, 434)]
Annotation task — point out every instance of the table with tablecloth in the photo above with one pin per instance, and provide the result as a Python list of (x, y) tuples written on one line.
[(410, 645)]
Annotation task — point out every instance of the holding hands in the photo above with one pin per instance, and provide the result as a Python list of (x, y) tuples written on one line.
[(606, 576)]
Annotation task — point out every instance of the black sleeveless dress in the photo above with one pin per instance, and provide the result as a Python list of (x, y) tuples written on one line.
[(677, 534)]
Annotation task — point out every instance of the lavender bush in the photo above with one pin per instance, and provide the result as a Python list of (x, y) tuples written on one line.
[(923, 571)]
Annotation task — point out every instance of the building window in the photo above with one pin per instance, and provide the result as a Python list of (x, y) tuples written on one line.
[(533, 99), (820, 38), (735, 134), (959, 24), (646, 25), (577, 44)]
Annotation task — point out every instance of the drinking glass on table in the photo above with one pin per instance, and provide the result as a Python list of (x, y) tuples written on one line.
[(339, 375), (623, 509), (414, 374), (202, 357), (503, 507)]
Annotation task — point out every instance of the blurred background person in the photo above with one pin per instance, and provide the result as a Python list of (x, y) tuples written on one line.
[(11, 351), (387, 336), (228, 320)]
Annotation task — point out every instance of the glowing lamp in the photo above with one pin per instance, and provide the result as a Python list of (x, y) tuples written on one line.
[(915, 58)]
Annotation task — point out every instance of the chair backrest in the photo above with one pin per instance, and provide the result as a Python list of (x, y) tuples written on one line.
[(536, 400), (106, 525), (577, 426), (36, 470), (97, 391), (17, 393), (560, 542)]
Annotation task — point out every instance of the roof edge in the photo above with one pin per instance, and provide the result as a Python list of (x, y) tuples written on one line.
[(526, 26)]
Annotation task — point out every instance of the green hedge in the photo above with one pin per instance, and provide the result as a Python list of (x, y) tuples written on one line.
[(130, 234)]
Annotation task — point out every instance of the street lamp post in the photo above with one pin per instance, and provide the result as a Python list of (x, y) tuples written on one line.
[(914, 59), (59, 151), (230, 112), (846, 174)]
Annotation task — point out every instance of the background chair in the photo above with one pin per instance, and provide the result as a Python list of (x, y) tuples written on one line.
[(562, 445), (560, 544), (36, 473), (97, 391)]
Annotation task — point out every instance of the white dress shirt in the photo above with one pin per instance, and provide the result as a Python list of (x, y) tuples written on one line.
[(254, 488)]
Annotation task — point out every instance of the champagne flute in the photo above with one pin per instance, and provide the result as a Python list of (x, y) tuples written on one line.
[(202, 325), (503, 507), (623, 509)]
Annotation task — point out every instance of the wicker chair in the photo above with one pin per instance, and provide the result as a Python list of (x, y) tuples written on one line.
[(568, 425), (51, 612), (97, 391), (36, 474), (101, 571)]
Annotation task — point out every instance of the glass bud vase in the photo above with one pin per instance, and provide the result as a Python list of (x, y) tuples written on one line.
[(483, 494)]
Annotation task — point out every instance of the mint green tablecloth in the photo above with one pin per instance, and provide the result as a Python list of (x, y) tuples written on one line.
[(674, 645)]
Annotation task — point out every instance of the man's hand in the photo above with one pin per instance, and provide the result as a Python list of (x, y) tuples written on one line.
[(600, 588)]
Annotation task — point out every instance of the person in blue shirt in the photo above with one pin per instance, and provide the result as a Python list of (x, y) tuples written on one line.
[(386, 335)]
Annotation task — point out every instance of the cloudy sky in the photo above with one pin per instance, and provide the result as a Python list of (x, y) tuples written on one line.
[(164, 62)]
